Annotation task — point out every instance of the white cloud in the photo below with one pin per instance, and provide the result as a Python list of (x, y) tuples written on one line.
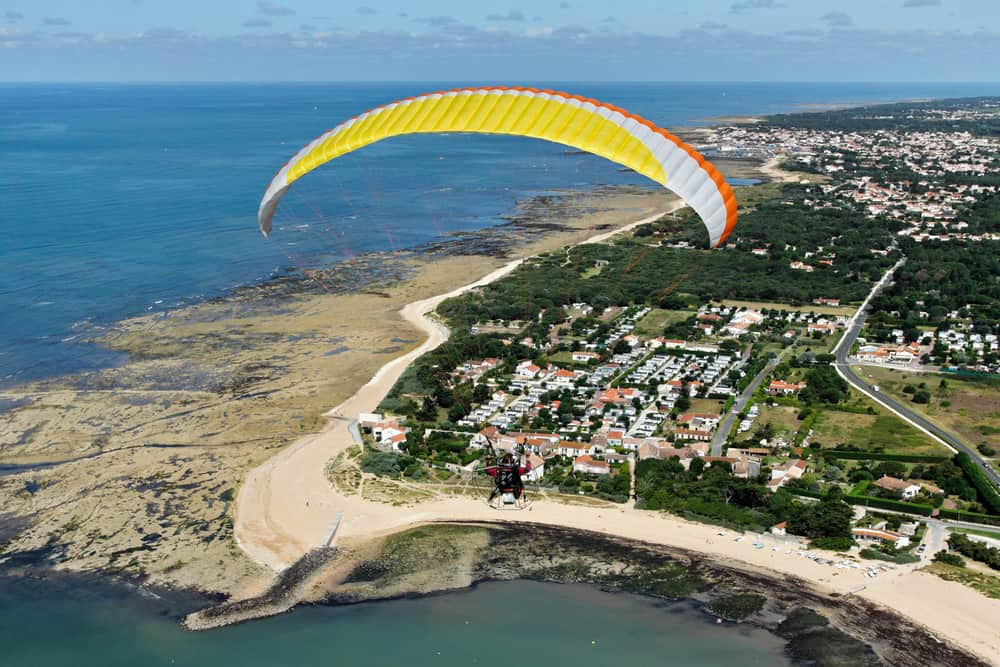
[(273, 9), (511, 15), (744, 5), (837, 19)]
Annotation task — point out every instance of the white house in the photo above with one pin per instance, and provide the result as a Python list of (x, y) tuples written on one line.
[(879, 536), (590, 465), (907, 489)]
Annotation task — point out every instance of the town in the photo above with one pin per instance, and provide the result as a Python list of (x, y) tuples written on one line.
[(728, 409)]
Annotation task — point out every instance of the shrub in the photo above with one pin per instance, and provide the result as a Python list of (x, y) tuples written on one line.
[(900, 558), (949, 558), (989, 519), (987, 492), (384, 464), (832, 543)]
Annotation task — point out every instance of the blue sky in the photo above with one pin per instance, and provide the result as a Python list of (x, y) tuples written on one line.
[(673, 40)]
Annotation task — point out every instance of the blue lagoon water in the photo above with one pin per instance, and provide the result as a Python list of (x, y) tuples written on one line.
[(120, 199), (493, 625)]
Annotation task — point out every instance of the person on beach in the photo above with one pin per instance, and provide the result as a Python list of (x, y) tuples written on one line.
[(507, 473)]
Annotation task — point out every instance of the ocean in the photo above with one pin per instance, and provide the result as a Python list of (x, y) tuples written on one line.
[(118, 200), (493, 625)]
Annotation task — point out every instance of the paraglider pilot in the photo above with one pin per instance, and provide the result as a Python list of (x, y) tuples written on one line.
[(507, 473)]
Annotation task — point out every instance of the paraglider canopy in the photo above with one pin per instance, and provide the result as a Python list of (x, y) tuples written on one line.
[(574, 121)]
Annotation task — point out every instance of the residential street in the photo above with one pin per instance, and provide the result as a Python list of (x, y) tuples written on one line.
[(741, 403)]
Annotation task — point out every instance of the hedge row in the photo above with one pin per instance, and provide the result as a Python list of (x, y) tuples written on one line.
[(972, 517), (872, 501), (987, 492), (859, 455), (889, 504)]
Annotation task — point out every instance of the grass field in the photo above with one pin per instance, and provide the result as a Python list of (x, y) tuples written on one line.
[(883, 431), (653, 323), (706, 405), (807, 308), (970, 409), (783, 419)]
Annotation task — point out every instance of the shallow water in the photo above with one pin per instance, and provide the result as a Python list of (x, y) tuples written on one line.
[(501, 624)]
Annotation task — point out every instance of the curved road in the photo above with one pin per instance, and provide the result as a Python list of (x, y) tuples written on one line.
[(843, 367)]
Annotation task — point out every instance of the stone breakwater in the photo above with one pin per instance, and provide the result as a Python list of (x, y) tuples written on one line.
[(286, 592)]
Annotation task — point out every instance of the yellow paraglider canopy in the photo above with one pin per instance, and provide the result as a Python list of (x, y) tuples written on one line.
[(581, 123)]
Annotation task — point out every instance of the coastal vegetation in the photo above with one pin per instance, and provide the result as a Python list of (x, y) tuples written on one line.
[(975, 549), (987, 584)]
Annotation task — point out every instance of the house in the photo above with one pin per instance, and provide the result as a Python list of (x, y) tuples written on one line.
[(821, 327), (396, 441), (790, 469), (690, 434), (615, 438), (572, 448), (624, 395), (527, 370), (737, 328), (779, 528), (699, 421), (799, 266), (563, 378), (931, 489), (537, 471), (873, 354), (631, 444), (591, 465), (386, 429), (782, 388), (655, 450), (366, 420), (906, 489), (880, 536), (824, 301), (585, 357)]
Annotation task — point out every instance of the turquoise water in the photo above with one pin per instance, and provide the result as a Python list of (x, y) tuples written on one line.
[(499, 624), (117, 200)]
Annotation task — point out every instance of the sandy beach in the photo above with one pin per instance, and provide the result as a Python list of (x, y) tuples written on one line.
[(287, 506)]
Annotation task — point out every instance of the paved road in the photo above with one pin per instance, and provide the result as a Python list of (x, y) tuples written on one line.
[(843, 367), (726, 424)]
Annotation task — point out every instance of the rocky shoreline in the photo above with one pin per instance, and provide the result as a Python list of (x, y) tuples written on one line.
[(823, 629)]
